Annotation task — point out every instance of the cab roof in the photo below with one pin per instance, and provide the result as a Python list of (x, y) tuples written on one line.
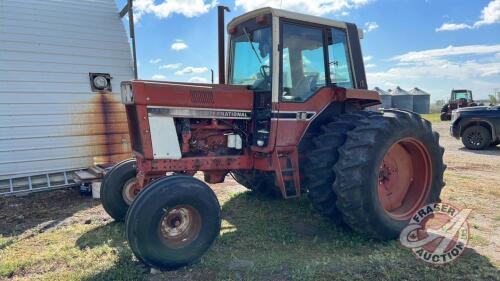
[(289, 15)]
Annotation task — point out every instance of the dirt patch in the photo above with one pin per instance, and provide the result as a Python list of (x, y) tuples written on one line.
[(44, 210)]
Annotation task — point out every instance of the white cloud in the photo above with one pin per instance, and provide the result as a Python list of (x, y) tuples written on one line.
[(158, 77), (170, 66), (452, 26), (192, 70), (489, 15), (179, 45), (197, 79), (367, 58), (439, 70), (154, 61), (369, 26), (318, 8), (344, 13), (165, 8), (370, 65), (448, 51)]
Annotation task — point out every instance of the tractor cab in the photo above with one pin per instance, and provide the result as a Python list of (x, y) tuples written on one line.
[(294, 64), (291, 55), (461, 95)]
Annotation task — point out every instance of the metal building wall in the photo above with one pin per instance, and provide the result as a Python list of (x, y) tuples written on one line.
[(401, 99), (386, 101), (421, 101), (50, 120)]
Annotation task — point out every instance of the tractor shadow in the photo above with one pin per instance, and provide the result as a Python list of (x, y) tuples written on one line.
[(112, 235)]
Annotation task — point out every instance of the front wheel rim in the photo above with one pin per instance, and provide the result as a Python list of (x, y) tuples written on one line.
[(180, 226), (130, 190), (475, 138), (405, 177)]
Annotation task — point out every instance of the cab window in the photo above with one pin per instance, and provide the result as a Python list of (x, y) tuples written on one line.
[(303, 61), (339, 62)]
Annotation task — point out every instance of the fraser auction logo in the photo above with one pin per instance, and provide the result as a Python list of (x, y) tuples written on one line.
[(438, 233)]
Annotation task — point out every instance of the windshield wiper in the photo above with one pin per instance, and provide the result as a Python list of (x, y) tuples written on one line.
[(251, 44)]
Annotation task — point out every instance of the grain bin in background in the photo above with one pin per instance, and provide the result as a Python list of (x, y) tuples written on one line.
[(421, 100), (385, 98), (401, 99), (53, 121)]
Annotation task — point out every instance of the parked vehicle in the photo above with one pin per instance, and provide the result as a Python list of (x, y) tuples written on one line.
[(281, 127), (478, 127), (458, 99)]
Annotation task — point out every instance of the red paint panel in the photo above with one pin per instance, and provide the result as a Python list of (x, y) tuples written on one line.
[(317, 102), (290, 132), (192, 95)]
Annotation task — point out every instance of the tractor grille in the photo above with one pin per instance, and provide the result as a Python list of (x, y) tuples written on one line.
[(201, 97)]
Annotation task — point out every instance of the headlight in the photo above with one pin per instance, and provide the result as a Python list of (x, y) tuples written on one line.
[(127, 93), (454, 115)]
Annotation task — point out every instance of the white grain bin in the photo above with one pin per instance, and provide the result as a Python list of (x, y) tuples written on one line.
[(401, 99), (421, 100), (385, 98), (51, 120)]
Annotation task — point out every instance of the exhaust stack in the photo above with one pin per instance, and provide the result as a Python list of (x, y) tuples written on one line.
[(221, 33)]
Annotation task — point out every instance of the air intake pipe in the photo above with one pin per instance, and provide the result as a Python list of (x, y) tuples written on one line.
[(221, 33)]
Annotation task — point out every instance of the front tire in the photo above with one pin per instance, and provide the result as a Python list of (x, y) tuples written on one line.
[(119, 188), (476, 137), (390, 165), (173, 222)]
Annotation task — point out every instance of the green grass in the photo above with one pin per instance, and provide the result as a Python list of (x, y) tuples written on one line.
[(433, 117), (259, 233)]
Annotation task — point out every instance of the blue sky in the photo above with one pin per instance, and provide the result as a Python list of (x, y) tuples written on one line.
[(435, 45)]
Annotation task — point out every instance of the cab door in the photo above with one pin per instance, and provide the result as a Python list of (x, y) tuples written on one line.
[(314, 61)]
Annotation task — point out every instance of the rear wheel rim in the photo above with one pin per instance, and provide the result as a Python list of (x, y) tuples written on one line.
[(180, 226), (130, 190), (404, 179)]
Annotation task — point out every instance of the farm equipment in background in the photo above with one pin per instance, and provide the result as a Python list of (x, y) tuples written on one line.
[(458, 99), (289, 121)]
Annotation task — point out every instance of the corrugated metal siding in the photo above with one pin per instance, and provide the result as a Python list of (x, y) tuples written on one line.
[(386, 101), (50, 120), (421, 104)]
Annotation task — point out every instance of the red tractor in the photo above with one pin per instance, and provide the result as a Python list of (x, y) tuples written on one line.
[(290, 121), (458, 99)]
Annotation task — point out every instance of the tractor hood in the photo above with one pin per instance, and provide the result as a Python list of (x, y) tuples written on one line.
[(189, 95)]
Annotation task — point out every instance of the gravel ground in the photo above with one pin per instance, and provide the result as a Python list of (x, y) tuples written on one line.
[(473, 181)]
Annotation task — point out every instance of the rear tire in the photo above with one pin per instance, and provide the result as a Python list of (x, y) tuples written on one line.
[(173, 222), (262, 183), (114, 185), (320, 157), (476, 137), (445, 116), (361, 172)]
